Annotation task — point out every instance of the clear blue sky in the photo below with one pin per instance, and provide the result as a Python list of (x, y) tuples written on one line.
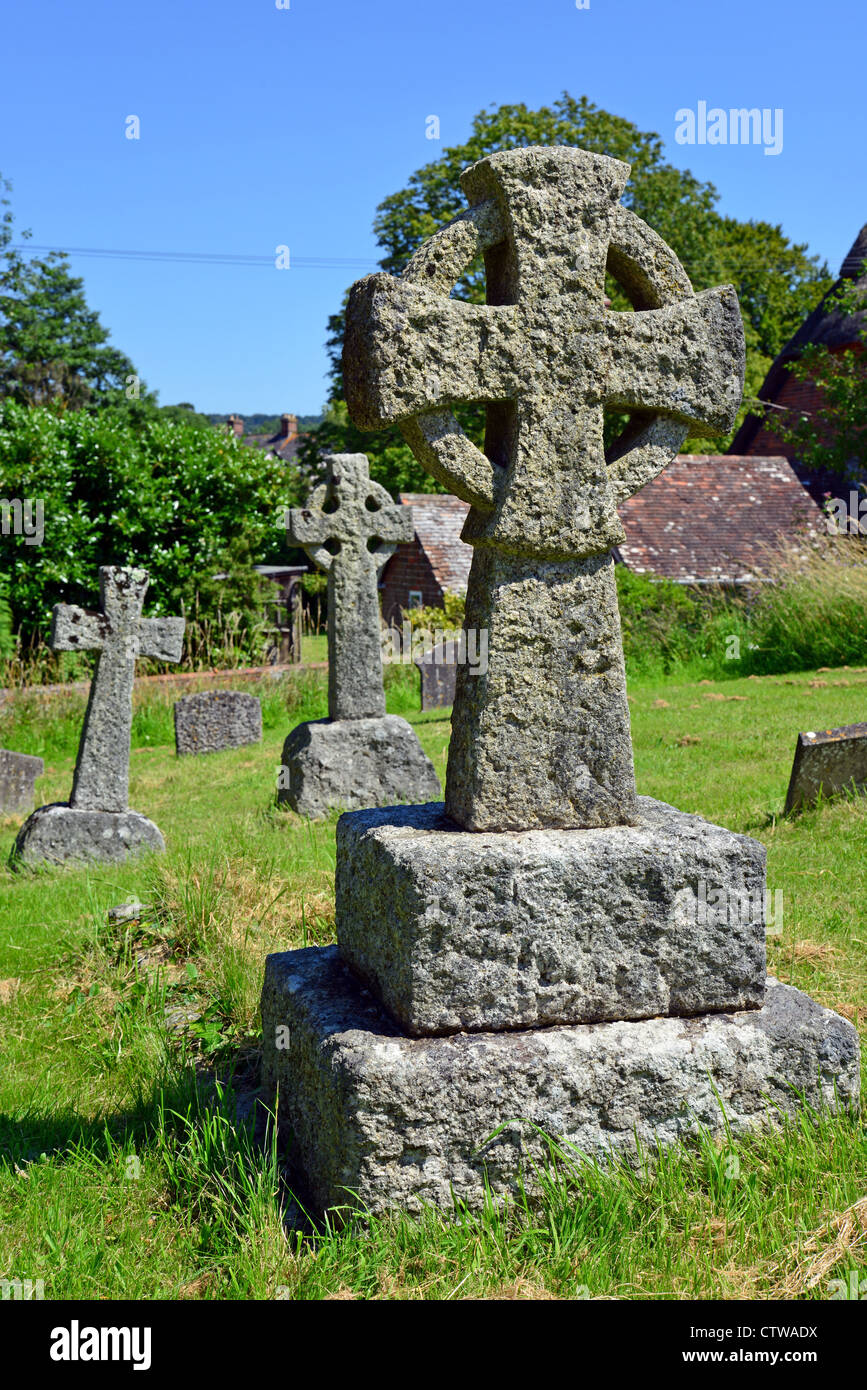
[(263, 126)]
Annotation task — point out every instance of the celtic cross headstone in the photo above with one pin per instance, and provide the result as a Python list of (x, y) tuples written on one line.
[(543, 739), (349, 528), (359, 756), (535, 957)]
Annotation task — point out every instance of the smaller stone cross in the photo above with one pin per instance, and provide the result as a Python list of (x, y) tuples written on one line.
[(119, 634), (349, 528)]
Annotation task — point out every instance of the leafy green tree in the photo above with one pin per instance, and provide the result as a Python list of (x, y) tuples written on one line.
[(53, 349), (778, 283), (835, 435), (186, 502)]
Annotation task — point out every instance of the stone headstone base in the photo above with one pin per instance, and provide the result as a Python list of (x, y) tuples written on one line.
[(60, 834), (346, 763), (399, 1121), (486, 930)]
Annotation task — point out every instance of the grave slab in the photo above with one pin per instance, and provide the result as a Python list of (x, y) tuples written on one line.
[(212, 720), (456, 931), (347, 763), (438, 670), (18, 773), (375, 1119), (826, 763)]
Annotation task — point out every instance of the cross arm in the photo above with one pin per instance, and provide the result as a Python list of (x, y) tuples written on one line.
[(409, 350), (162, 639), (309, 526), (685, 361), (73, 629)]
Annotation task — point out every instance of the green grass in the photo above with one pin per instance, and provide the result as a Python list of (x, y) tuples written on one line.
[(127, 1171)]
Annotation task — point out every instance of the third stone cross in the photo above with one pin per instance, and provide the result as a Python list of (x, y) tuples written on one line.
[(350, 527), (542, 740)]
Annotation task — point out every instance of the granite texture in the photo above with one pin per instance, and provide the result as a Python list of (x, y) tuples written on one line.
[(104, 828), (547, 359), (350, 527), (826, 763), (59, 833), (542, 737), (347, 763), (375, 1119), (119, 634), (456, 931), (212, 720), (18, 773)]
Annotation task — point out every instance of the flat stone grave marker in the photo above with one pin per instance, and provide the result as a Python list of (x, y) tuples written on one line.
[(96, 823), (826, 763), (359, 756), (211, 720), (438, 670), (18, 773), (537, 954)]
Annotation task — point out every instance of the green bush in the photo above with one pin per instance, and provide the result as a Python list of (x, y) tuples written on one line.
[(184, 501), (663, 623)]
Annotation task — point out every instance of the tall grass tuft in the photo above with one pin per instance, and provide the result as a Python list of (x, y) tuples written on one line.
[(814, 612)]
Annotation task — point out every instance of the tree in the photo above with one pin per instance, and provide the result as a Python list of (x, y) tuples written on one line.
[(186, 502), (835, 435), (778, 283), (53, 349)]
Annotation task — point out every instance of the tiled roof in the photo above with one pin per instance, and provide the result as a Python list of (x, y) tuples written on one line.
[(438, 519), (707, 517), (714, 516)]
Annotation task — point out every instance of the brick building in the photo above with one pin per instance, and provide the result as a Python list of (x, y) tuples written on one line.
[(708, 518), (828, 327), (434, 562), (284, 444)]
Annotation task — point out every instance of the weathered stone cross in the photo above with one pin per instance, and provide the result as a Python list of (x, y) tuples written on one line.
[(349, 528), (543, 738), (119, 634)]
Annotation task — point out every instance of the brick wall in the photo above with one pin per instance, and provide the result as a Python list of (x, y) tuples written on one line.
[(795, 397), (408, 568)]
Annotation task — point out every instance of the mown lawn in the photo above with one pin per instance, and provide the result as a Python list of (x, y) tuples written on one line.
[(127, 1163)]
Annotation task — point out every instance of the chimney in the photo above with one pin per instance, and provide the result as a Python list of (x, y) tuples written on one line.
[(288, 426), (235, 424)]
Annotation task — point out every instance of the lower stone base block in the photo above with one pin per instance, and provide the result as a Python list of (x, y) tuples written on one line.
[(375, 1118), (61, 834), (341, 764)]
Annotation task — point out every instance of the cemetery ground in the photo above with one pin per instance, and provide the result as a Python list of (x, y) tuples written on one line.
[(130, 1164)]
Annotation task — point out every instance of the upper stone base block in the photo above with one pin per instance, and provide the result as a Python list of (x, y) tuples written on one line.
[(59, 834), (461, 931), (339, 764)]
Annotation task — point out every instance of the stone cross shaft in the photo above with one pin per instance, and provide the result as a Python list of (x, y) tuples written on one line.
[(119, 634), (349, 527), (543, 738)]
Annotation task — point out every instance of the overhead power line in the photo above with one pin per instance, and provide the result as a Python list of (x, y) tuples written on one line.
[(206, 257)]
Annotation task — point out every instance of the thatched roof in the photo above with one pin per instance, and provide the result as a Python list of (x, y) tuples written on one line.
[(828, 326)]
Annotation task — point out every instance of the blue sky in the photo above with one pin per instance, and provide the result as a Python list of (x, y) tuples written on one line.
[(263, 126)]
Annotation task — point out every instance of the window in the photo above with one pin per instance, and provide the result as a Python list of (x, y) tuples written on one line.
[(416, 599)]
